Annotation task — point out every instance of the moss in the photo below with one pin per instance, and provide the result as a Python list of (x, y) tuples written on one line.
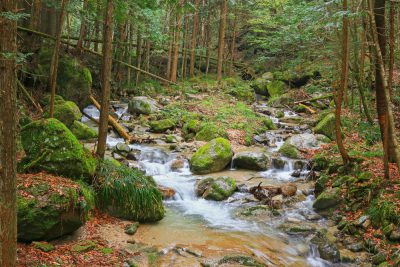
[(269, 124), (53, 148), (280, 114), (45, 100), (74, 81), (191, 127), (170, 139), (242, 260), (300, 109), (67, 112), (328, 199), (83, 246), (220, 188), (212, 157), (131, 229), (275, 88), (127, 193), (326, 126), (383, 212), (320, 184), (209, 132), (161, 126), (107, 251), (43, 246), (290, 151), (82, 131)]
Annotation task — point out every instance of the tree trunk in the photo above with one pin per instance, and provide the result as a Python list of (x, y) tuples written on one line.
[(208, 40), (175, 56), (54, 61), (83, 28), (343, 86), (233, 43), (385, 116), (194, 38), (221, 41), (129, 52), (185, 46), (35, 14), (106, 78), (8, 130), (148, 50), (392, 42), (139, 44), (97, 25)]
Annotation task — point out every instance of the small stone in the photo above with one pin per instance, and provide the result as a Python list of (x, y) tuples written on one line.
[(289, 190), (43, 246), (167, 192), (123, 148), (347, 256), (395, 235), (84, 246), (356, 247), (277, 202), (177, 164), (132, 228), (313, 217), (131, 241), (296, 174)]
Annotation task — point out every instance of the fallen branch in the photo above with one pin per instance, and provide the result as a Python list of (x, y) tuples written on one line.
[(97, 54), (121, 131), (307, 108), (29, 97), (314, 98)]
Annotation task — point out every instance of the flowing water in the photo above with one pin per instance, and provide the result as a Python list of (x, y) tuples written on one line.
[(214, 228)]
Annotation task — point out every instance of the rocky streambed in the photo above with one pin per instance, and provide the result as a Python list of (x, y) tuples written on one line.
[(258, 211)]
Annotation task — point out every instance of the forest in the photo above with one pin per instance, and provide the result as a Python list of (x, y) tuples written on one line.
[(202, 133)]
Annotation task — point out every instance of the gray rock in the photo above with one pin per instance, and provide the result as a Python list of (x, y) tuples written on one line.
[(257, 161), (356, 247), (142, 105), (326, 248), (304, 141)]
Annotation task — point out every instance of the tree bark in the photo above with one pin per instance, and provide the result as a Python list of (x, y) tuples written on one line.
[(175, 56), (139, 45), (185, 46), (105, 79), (83, 28), (392, 44), (55, 59), (343, 86), (221, 41), (208, 40), (35, 14), (97, 25), (8, 129), (194, 38), (233, 46)]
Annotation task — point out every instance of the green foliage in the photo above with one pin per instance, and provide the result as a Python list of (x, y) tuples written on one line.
[(127, 193), (383, 212)]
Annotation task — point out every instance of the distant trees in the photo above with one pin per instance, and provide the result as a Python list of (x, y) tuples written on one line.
[(8, 131), (221, 39)]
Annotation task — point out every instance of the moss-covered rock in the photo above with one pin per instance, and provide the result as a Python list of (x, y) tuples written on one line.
[(212, 157), (191, 127), (276, 88), (45, 100), (50, 207), (82, 131), (327, 199), (74, 81), (161, 126), (327, 126), (257, 161), (268, 124), (65, 111), (43, 246), (216, 189), (127, 193), (142, 105), (209, 132), (51, 147), (290, 151)]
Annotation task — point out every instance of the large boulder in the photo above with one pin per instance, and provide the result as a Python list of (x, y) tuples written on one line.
[(82, 131), (257, 161), (327, 126), (50, 207), (216, 189), (327, 248), (327, 199), (74, 81), (50, 146), (290, 151), (305, 141), (127, 193), (161, 126), (212, 157), (142, 105), (65, 111)]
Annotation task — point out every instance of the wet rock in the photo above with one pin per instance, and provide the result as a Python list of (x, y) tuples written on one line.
[(289, 151), (239, 260), (304, 141), (297, 228), (326, 126), (320, 184), (347, 256), (131, 229), (67, 112), (296, 174), (216, 189), (328, 199), (142, 105), (326, 248), (161, 126), (167, 192), (243, 188), (212, 157), (82, 131), (277, 202), (256, 161), (288, 190), (312, 217), (299, 164), (265, 192), (177, 164), (133, 155), (278, 163), (122, 149)]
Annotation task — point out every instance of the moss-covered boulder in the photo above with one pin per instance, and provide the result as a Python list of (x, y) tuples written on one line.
[(51, 147), (74, 81), (50, 207), (290, 151), (276, 88), (209, 132), (45, 100), (327, 199), (191, 128), (257, 161), (142, 105), (327, 126), (216, 189), (212, 157), (161, 126), (82, 131), (65, 111), (127, 193)]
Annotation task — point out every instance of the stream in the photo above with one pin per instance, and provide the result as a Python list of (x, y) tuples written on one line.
[(197, 230)]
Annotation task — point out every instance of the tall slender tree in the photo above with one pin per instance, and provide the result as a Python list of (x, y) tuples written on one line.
[(55, 58), (106, 78), (221, 41), (175, 55), (194, 37), (8, 129)]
